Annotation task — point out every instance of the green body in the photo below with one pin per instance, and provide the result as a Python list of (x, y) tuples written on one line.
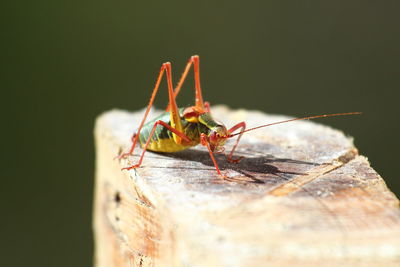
[(163, 141)]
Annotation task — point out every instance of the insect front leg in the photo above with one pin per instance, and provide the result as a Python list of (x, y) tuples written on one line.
[(242, 127), (204, 142), (183, 137)]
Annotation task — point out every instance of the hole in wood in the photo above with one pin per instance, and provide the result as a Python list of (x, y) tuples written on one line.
[(117, 197)]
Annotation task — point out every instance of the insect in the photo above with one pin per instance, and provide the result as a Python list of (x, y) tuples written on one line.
[(181, 128)]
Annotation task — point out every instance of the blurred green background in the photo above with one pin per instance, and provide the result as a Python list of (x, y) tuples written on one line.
[(65, 62)]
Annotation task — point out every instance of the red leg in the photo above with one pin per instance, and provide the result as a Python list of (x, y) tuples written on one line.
[(174, 109), (207, 106), (196, 66), (175, 131), (204, 142), (242, 126)]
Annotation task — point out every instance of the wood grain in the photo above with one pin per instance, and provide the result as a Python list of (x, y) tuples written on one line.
[(302, 196)]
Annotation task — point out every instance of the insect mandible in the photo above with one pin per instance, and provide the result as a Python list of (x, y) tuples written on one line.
[(181, 128)]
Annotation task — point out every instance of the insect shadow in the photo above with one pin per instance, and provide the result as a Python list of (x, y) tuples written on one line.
[(257, 169)]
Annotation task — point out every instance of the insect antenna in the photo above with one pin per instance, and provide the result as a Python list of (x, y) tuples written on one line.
[(296, 119)]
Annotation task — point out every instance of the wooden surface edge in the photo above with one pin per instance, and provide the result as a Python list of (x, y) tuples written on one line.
[(154, 237)]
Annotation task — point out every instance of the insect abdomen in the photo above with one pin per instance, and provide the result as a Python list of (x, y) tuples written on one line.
[(162, 140)]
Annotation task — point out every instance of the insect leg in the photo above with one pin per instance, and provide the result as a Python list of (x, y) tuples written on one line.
[(207, 107), (242, 126), (204, 142), (166, 125), (196, 66), (175, 120)]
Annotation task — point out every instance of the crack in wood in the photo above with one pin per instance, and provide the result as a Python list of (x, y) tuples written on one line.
[(298, 182), (142, 200)]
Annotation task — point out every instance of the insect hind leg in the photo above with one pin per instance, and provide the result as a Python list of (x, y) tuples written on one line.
[(124, 155), (149, 139), (175, 120), (195, 61)]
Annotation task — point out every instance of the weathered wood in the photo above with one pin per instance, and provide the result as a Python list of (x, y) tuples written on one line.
[(302, 196)]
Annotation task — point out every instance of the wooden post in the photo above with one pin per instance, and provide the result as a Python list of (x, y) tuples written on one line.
[(302, 196)]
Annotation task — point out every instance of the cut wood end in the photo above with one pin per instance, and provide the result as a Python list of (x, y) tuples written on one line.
[(302, 195)]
